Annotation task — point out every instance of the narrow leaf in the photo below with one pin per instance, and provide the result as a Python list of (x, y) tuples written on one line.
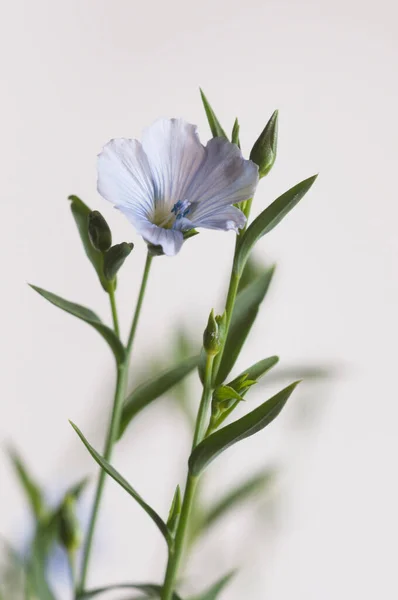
[(235, 133), (81, 213), (87, 315), (124, 484), (244, 314), (152, 389), (215, 127), (32, 490), (175, 511), (268, 219), (214, 591), (244, 492), (148, 588), (245, 427)]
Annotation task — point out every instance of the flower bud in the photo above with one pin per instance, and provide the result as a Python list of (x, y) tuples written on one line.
[(69, 528), (214, 334), (114, 259), (98, 231), (264, 150)]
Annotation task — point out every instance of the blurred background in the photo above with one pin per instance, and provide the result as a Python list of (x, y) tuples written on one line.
[(75, 74)]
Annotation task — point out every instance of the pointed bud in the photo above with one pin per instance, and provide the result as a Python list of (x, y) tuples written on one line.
[(264, 150), (212, 340), (98, 231), (235, 133), (69, 528), (114, 259)]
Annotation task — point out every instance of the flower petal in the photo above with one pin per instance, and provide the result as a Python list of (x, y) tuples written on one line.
[(175, 154), (224, 178), (226, 218), (124, 176)]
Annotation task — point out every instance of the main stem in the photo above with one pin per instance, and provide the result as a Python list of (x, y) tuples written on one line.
[(176, 548), (212, 367), (114, 425)]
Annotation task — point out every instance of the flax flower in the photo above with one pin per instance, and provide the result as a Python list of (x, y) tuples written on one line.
[(170, 183)]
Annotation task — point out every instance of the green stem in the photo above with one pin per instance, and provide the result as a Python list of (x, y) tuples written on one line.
[(137, 313), (176, 549), (114, 311), (113, 430)]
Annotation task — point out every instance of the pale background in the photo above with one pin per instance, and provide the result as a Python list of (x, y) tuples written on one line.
[(76, 73)]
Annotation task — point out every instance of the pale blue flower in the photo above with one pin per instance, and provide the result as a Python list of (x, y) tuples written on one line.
[(171, 183)]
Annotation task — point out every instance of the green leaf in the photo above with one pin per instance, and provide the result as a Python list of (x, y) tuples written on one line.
[(114, 259), (99, 232), (244, 314), (148, 588), (268, 219), (215, 127), (87, 315), (152, 389), (33, 492), (175, 511), (244, 492), (124, 484), (235, 133), (264, 150), (81, 213), (214, 591), (254, 373), (245, 427)]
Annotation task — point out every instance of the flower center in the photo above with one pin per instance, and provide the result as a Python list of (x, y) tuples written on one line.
[(169, 219)]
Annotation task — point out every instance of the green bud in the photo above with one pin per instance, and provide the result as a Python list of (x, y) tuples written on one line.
[(214, 334), (264, 150), (98, 231), (114, 259), (69, 528), (224, 397)]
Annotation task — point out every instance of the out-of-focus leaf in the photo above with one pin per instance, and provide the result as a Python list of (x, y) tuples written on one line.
[(215, 127), (215, 590), (151, 590), (245, 427), (152, 389), (112, 472), (33, 492), (78, 488), (239, 495), (244, 314), (87, 315), (12, 573), (81, 214), (44, 539), (253, 269), (268, 219)]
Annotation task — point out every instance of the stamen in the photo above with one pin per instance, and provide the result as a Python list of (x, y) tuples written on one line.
[(181, 208)]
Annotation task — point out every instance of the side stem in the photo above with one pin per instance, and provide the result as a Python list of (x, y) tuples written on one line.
[(113, 430)]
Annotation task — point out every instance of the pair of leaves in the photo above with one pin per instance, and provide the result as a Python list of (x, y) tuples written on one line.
[(244, 314), (112, 472), (245, 427), (149, 391), (87, 315)]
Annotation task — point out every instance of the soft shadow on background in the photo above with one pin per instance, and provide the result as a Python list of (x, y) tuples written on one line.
[(75, 75)]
